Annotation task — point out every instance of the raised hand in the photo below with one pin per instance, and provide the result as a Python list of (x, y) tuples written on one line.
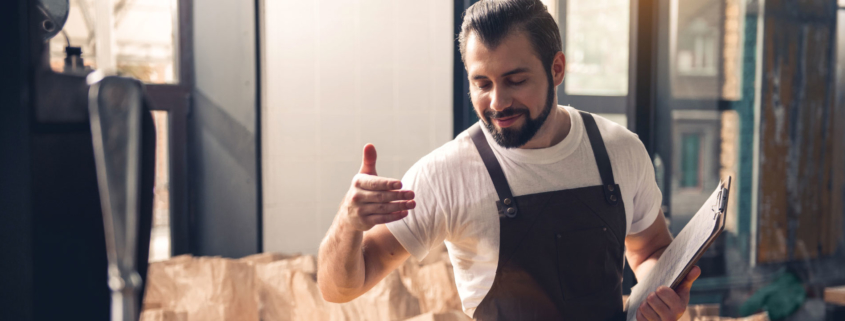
[(373, 200)]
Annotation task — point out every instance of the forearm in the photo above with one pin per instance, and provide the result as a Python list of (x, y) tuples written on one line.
[(642, 266), (341, 270), (646, 247)]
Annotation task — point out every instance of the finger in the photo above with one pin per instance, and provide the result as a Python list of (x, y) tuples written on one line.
[(648, 313), (659, 307), (383, 197), (684, 289), (375, 183), (676, 305), (386, 208), (386, 218), (368, 165)]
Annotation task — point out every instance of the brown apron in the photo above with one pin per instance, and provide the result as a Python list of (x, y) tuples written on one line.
[(560, 252)]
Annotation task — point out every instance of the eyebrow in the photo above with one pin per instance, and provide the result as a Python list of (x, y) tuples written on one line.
[(512, 72)]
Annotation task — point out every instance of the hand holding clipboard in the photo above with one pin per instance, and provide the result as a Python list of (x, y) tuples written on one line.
[(682, 254)]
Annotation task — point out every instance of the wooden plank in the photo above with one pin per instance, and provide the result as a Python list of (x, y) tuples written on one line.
[(835, 295), (797, 218)]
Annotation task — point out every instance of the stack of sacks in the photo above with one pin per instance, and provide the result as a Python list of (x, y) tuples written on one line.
[(453, 315), (189, 288), (432, 281), (159, 314), (277, 287), (288, 291)]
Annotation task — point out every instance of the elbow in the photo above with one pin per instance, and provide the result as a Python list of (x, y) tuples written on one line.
[(335, 298), (334, 295)]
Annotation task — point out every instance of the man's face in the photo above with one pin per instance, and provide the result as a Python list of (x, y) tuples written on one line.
[(510, 89)]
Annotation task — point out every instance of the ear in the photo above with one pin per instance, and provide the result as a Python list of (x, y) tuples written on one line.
[(558, 68)]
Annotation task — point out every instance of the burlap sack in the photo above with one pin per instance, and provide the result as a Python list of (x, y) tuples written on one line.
[(160, 287), (290, 294), (435, 287), (267, 257), (443, 316), (162, 315), (388, 300), (204, 288)]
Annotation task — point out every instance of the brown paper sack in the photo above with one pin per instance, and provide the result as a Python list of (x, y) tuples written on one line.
[(443, 316), (291, 294), (206, 289), (162, 315), (435, 287)]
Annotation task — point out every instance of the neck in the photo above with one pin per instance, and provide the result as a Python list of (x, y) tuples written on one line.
[(553, 130)]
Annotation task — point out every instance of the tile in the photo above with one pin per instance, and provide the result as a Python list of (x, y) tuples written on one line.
[(412, 90), (412, 45), (337, 89), (441, 90), (411, 10), (413, 134), (336, 41), (326, 214), (337, 9), (291, 229), (443, 128), (376, 89), (379, 129), (338, 137), (335, 179), (293, 182), (375, 44), (292, 92), (292, 136)]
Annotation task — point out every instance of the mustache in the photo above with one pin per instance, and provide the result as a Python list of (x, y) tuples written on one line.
[(507, 112)]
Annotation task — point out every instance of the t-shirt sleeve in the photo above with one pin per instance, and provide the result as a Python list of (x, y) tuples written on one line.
[(425, 225), (647, 196)]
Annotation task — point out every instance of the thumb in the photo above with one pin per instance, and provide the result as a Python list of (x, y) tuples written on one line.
[(684, 289), (368, 165)]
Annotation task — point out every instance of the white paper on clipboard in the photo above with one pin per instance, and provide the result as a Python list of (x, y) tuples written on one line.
[(685, 250)]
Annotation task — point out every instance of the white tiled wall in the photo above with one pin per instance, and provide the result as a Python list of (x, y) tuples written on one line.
[(338, 74)]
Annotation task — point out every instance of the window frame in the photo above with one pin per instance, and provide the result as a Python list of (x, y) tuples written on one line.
[(175, 99)]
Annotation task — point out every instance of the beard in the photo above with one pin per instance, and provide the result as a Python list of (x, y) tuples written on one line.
[(517, 137)]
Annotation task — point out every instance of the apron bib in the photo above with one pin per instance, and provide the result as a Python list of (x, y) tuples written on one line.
[(561, 253)]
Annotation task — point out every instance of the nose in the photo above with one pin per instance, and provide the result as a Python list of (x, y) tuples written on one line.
[(500, 99)]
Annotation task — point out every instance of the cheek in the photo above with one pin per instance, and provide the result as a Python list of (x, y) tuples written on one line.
[(480, 102), (532, 97)]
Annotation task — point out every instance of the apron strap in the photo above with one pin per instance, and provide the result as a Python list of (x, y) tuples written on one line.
[(602, 160), (506, 203)]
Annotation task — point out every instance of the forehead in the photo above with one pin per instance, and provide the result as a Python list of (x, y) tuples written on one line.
[(513, 51)]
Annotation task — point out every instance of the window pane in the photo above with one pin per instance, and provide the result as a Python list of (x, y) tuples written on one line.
[(160, 240), (596, 46), (690, 160), (145, 33), (706, 48)]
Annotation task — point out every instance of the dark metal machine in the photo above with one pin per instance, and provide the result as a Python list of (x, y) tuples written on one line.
[(77, 154)]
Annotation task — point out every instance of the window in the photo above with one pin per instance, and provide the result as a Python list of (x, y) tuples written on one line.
[(690, 160), (145, 36), (596, 42), (596, 47), (160, 238)]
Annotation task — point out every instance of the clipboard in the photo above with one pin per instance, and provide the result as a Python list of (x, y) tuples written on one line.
[(685, 250)]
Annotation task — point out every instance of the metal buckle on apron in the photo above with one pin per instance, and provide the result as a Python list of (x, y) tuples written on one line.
[(610, 194), (507, 207)]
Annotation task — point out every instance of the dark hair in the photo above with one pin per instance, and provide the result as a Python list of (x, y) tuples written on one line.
[(493, 20)]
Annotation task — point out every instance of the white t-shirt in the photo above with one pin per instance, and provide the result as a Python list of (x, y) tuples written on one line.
[(456, 200)]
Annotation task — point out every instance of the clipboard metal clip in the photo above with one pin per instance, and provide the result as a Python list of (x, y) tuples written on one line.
[(721, 203)]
